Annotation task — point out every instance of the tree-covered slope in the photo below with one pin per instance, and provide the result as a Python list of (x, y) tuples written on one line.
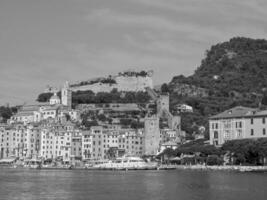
[(232, 73), (237, 65)]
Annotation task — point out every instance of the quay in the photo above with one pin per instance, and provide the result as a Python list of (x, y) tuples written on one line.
[(236, 168)]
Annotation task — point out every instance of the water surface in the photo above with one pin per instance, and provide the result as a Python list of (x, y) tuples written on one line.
[(131, 185)]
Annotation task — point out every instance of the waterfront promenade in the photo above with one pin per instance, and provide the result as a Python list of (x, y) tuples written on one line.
[(237, 168), (216, 168)]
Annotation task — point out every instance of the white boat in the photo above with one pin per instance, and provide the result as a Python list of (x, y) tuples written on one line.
[(126, 163), (32, 164)]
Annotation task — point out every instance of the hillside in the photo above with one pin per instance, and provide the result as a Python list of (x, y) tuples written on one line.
[(87, 97), (232, 73)]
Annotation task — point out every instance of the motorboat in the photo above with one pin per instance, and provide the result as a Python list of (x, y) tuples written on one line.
[(127, 163)]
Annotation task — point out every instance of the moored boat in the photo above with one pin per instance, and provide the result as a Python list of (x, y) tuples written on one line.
[(126, 163)]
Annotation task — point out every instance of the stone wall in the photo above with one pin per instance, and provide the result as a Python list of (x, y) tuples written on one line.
[(123, 83)]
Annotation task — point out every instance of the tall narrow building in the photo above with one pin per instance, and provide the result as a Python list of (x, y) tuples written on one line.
[(66, 96), (152, 135)]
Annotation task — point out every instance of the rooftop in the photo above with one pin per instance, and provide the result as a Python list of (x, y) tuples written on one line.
[(238, 112)]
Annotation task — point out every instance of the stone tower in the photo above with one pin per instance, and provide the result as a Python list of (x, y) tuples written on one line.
[(163, 104), (66, 96), (151, 135)]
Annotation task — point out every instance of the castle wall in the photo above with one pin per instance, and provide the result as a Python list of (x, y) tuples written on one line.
[(123, 83)]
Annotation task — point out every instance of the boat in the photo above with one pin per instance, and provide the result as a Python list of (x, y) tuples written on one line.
[(56, 167), (32, 164), (127, 163)]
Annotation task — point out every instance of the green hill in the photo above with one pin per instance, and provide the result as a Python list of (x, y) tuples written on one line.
[(232, 73)]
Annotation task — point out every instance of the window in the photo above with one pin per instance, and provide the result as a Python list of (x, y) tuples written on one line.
[(216, 135), (251, 121), (251, 132), (263, 131), (263, 120), (239, 133)]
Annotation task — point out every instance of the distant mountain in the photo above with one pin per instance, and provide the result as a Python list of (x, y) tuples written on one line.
[(232, 73)]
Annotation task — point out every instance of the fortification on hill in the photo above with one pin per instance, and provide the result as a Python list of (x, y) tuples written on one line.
[(129, 81)]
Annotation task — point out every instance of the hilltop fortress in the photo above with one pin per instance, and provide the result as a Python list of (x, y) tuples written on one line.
[(128, 81)]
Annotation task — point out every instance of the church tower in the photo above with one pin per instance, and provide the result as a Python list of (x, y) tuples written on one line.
[(66, 96)]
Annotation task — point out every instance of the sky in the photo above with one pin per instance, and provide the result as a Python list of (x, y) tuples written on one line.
[(48, 42)]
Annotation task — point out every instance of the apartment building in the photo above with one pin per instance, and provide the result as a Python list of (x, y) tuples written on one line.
[(237, 123)]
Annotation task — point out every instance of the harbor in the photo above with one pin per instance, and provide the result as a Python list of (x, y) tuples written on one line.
[(126, 163)]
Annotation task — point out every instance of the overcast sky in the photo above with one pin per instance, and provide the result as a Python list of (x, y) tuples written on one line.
[(49, 41)]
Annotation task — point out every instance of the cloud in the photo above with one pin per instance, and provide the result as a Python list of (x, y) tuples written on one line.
[(150, 22), (113, 60), (98, 38)]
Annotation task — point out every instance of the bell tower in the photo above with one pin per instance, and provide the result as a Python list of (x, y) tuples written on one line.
[(66, 96)]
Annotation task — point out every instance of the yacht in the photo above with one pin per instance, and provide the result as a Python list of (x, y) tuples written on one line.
[(32, 164), (127, 163)]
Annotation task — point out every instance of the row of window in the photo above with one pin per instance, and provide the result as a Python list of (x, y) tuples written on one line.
[(252, 120), (263, 132), (238, 124), (227, 134)]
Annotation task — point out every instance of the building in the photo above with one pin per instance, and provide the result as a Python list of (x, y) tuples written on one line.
[(163, 104), (237, 123), (151, 136), (56, 108), (19, 141), (168, 145), (66, 96), (87, 148), (182, 108), (54, 100)]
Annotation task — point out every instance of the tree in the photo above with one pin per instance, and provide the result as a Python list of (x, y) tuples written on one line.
[(165, 88), (7, 112), (102, 118), (112, 153), (44, 97), (214, 160), (89, 124)]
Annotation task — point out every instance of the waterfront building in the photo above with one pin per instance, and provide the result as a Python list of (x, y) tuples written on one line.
[(168, 145), (12, 140), (151, 135), (19, 140), (237, 123), (56, 141), (76, 147), (32, 141), (47, 144), (87, 149), (97, 142)]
